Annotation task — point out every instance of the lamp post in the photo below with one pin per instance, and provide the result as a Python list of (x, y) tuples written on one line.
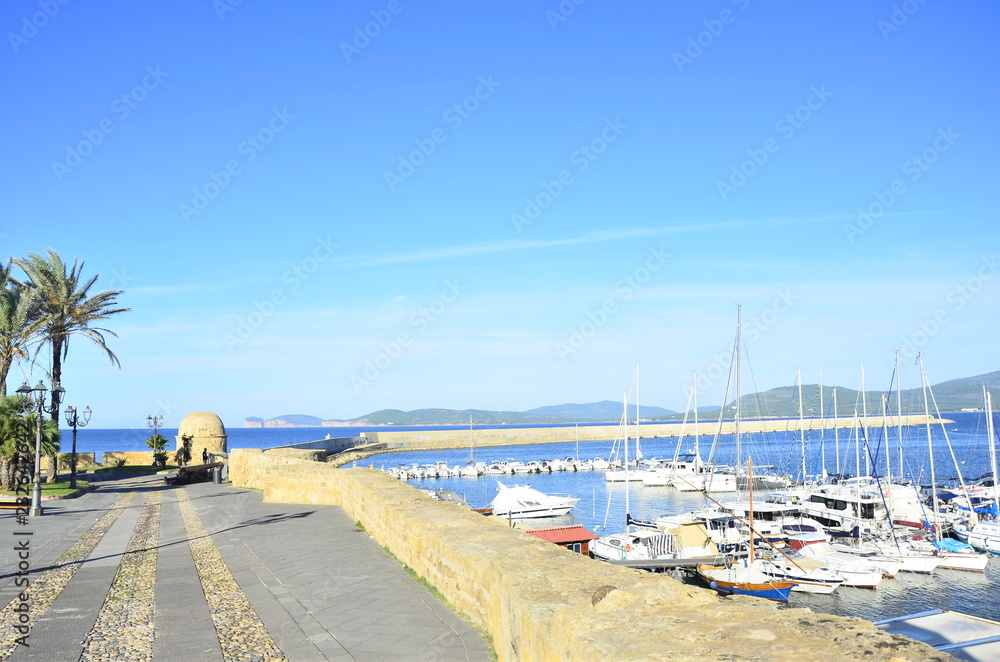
[(37, 402), (74, 419), (154, 422)]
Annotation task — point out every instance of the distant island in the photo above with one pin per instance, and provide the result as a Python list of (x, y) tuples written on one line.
[(595, 411), (955, 395)]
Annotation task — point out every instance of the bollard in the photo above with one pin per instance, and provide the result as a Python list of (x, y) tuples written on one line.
[(217, 476)]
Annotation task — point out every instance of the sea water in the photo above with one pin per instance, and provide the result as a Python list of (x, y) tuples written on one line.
[(602, 505), (959, 447)]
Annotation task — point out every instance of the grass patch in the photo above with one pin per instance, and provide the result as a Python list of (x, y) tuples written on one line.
[(433, 590), (50, 489)]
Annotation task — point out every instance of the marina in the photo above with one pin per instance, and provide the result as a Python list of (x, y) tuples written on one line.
[(602, 502)]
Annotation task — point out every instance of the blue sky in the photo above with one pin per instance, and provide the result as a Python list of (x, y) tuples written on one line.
[(504, 205)]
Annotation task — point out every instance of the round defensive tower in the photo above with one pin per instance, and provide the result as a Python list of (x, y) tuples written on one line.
[(198, 432)]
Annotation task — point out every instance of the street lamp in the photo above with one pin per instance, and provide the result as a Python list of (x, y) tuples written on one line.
[(154, 422), (36, 401), (73, 418)]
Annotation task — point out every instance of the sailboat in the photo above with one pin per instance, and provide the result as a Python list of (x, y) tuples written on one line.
[(985, 535), (745, 577), (473, 470), (645, 542)]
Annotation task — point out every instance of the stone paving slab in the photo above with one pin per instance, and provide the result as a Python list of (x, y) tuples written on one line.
[(59, 634), (320, 587), (184, 629), (313, 560)]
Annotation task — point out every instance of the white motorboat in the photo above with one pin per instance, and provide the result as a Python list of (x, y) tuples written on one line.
[(854, 569), (524, 502)]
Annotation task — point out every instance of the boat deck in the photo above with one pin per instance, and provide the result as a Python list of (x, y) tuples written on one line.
[(963, 636)]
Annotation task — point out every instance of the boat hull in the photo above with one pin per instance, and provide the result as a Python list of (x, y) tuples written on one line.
[(727, 581)]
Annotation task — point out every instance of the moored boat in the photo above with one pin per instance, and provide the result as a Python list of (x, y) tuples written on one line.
[(523, 502)]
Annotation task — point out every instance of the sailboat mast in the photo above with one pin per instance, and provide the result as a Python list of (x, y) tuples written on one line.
[(930, 446), (802, 424), (694, 389), (899, 417), (885, 436), (736, 428), (864, 422), (836, 431), (750, 488), (822, 430), (638, 453), (625, 420), (991, 435)]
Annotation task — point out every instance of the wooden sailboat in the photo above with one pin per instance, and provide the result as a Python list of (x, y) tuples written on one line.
[(744, 577)]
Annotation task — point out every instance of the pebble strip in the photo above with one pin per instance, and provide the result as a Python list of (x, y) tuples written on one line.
[(47, 586), (242, 635), (124, 627)]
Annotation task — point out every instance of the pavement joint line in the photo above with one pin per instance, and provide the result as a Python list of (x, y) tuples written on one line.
[(242, 635), (47, 586), (124, 628)]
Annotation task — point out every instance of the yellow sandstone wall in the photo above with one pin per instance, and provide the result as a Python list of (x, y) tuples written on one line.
[(509, 436), (542, 602), (247, 465), (83, 460), (132, 458)]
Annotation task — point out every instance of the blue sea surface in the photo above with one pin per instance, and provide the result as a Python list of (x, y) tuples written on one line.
[(960, 446), (602, 505)]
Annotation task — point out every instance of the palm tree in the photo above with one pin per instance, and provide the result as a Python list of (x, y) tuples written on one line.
[(19, 322), (67, 307), (17, 439)]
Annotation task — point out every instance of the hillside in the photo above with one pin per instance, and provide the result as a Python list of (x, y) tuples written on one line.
[(452, 417), (953, 395), (605, 410)]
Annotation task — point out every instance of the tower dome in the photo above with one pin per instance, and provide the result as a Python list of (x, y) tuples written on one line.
[(198, 432)]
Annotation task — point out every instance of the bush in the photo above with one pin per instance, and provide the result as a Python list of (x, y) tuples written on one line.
[(159, 444), (120, 463)]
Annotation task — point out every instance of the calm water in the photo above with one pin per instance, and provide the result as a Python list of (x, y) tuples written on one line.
[(602, 505)]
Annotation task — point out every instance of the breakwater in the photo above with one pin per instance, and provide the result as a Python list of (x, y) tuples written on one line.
[(542, 602), (504, 436)]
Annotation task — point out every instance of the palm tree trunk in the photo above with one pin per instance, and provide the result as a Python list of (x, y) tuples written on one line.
[(7, 474), (52, 473), (4, 369)]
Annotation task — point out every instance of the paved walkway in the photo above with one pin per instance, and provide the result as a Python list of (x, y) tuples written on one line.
[(138, 570)]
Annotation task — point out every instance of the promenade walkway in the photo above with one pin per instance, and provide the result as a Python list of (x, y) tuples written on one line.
[(138, 570)]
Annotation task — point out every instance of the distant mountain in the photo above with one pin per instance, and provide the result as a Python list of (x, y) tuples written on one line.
[(953, 395), (605, 410), (452, 417)]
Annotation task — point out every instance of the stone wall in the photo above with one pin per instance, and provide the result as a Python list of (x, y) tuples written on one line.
[(132, 458), (248, 467), (510, 436), (542, 602), (82, 460)]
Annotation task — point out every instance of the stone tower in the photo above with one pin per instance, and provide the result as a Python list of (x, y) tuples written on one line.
[(200, 431)]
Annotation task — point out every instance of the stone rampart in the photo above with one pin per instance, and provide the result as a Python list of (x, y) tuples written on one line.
[(248, 467), (542, 602), (132, 458), (512, 436), (82, 460)]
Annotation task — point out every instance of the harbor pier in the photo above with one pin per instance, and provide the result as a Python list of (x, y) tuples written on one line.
[(538, 601), (510, 436)]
